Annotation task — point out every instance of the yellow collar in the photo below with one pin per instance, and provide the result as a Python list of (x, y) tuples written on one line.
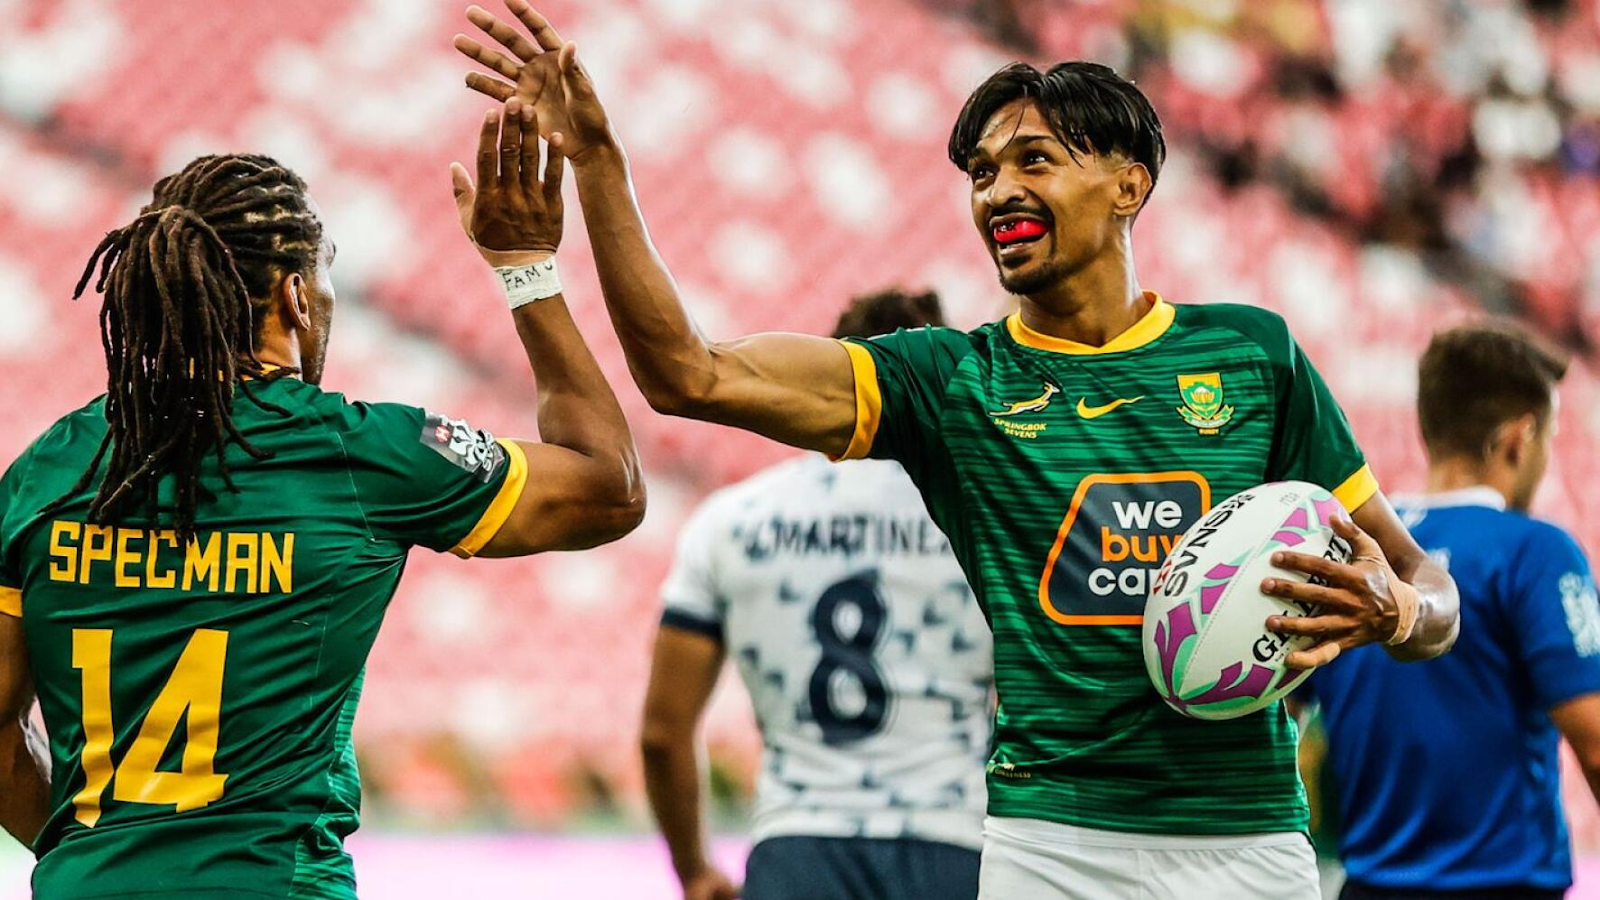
[(1153, 325)]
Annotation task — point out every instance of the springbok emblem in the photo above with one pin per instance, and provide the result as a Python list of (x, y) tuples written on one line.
[(1037, 404)]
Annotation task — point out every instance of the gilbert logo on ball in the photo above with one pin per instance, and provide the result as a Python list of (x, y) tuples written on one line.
[(1206, 644)]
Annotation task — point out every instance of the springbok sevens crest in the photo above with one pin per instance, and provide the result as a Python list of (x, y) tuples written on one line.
[(1202, 402)]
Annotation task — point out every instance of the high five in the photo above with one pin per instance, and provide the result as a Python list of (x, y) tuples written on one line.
[(1083, 781)]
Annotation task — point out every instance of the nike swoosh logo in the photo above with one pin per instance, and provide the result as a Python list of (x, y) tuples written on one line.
[(1095, 412)]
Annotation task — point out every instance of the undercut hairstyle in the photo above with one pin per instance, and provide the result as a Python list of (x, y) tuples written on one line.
[(873, 314), (1475, 378), (186, 285), (1090, 108)]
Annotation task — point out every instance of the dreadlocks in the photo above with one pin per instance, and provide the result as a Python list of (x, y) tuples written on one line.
[(183, 285)]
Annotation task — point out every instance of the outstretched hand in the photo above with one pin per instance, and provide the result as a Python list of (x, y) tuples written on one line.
[(512, 215), (1355, 601), (544, 72)]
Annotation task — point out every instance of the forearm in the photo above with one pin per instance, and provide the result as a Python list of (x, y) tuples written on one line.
[(668, 357), (576, 407), (1438, 612), (672, 782), (25, 796)]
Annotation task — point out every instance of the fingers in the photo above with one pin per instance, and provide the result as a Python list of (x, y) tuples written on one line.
[(1312, 657), (1361, 543), (1315, 626), (461, 186), (511, 144), (1332, 572), (492, 59), (507, 36), (542, 31), (492, 87), (488, 137), (555, 169), (1305, 592), (573, 73), (460, 181), (528, 123)]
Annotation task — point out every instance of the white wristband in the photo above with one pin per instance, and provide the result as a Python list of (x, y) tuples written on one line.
[(525, 284)]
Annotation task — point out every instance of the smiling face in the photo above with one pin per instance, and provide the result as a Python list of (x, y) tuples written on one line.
[(1044, 211)]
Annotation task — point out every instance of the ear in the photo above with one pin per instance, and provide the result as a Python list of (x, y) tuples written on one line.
[(294, 302), (1517, 438), (1133, 188)]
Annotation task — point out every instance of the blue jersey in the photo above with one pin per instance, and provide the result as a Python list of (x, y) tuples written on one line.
[(1487, 811)]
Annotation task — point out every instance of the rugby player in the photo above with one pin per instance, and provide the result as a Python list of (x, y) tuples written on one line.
[(1062, 450), (868, 665), (1525, 673), (194, 565)]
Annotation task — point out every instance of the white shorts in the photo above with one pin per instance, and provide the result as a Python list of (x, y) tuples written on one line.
[(1030, 859)]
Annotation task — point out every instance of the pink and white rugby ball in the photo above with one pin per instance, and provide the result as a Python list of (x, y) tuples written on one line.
[(1206, 644)]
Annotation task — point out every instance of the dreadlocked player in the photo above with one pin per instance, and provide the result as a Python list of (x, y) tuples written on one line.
[(194, 566)]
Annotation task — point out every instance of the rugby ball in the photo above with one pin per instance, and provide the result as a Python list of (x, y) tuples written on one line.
[(1206, 644)]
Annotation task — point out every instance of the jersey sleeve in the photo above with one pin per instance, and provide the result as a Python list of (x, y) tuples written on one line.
[(900, 389), (430, 480), (690, 597), (1554, 616), (1313, 441), (10, 565)]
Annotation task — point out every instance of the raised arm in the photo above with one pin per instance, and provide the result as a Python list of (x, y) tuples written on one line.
[(585, 488), (798, 389)]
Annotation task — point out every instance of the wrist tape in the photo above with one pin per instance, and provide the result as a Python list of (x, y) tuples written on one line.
[(1405, 597), (525, 284)]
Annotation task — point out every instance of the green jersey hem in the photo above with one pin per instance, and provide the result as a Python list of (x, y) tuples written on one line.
[(1038, 801)]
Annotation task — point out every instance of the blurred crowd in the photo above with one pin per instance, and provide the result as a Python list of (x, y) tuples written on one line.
[(1466, 131)]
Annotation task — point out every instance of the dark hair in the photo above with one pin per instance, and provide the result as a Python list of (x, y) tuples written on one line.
[(888, 310), (1090, 108), (183, 284), (1474, 378)]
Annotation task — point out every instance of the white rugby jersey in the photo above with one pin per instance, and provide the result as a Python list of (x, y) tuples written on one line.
[(867, 659)]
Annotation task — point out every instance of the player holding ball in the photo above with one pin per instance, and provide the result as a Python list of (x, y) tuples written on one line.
[(1063, 450)]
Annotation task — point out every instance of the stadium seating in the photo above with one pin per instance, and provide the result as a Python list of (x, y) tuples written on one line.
[(788, 155)]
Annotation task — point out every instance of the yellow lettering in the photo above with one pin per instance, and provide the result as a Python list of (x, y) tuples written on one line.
[(127, 556), (92, 552), (243, 551), (91, 653), (168, 578), (198, 563), (1113, 547), (276, 566), (64, 557)]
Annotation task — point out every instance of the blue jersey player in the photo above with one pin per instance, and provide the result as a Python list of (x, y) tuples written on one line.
[(1524, 672)]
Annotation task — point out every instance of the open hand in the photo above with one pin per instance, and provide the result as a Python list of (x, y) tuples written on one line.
[(544, 72), (512, 215), (1355, 600)]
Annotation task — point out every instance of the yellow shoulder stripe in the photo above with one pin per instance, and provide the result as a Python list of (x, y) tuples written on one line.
[(11, 601), (869, 402), (1357, 489), (500, 507)]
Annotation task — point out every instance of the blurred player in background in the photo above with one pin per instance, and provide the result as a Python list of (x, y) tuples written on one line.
[(1526, 669), (212, 544), (868, 665), (1059, 450)]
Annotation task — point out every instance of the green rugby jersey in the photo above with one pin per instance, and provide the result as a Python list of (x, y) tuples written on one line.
[(1063, 474), (199, 699)]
